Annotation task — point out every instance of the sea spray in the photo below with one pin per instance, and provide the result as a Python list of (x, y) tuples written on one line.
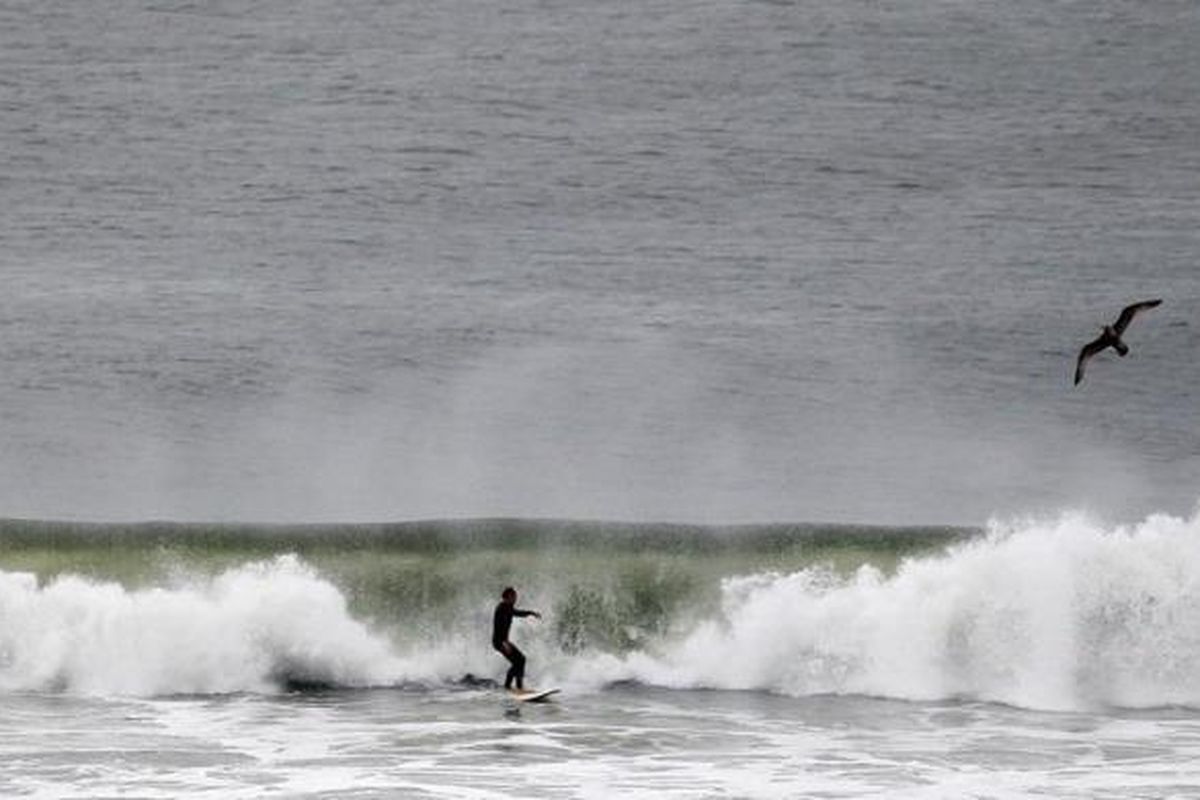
[(1063, 614), (253, 628), (1058, 614), (608, 587)]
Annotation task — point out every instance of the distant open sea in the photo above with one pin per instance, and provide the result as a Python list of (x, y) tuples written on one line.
[(739, 336)]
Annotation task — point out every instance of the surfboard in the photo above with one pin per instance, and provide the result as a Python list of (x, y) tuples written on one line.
[(531, 696)]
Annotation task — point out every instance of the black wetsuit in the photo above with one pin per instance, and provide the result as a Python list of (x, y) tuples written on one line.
[(501, 624)]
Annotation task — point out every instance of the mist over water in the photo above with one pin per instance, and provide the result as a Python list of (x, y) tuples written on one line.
[(750, 262), (518, 280)]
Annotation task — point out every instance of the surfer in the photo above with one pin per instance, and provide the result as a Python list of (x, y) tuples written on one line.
[(506, 609)]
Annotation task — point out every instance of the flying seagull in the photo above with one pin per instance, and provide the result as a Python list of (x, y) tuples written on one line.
[(1111, 336)]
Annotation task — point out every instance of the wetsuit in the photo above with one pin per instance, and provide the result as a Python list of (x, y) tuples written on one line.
[(501, 624)]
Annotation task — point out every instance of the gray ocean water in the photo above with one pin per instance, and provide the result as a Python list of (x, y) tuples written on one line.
[(713, 262), (710, 263)]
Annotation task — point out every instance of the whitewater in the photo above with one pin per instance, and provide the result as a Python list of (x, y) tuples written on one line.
[(1063, 639), (1059, 615), (737, 335)]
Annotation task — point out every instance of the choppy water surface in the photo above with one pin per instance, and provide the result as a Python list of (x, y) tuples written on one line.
[(718, 263), (627, 742), (750, 261)]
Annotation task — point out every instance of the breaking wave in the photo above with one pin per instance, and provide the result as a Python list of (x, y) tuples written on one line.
[(1064, 613), (252, 628)]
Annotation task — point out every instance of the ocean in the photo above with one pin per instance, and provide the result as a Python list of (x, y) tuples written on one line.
[(738, 336)]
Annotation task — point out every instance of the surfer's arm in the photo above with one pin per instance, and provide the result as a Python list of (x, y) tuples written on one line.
[(526, 613)]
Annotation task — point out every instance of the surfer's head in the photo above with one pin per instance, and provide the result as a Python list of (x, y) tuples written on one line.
[(509, 595)]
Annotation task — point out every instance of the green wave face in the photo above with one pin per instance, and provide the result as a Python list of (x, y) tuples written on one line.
[(603, 586)]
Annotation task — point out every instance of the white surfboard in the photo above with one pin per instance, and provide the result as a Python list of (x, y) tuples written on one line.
[(532, 696)]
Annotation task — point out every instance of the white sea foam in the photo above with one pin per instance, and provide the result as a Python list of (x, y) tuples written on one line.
[(247, 629), (1057, 614)]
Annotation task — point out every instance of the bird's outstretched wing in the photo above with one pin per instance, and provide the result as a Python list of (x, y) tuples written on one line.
[(1129, 312), (1090, 349)]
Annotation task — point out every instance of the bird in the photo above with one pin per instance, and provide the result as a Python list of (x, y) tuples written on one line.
[(1111, 336)]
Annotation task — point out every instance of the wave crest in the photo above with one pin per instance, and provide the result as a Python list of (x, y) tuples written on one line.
[(1060, 615), (252, 628)]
